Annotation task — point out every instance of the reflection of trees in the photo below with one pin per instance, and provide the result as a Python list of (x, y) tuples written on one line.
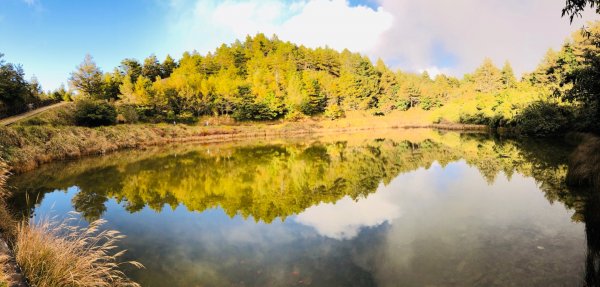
[(583, 195), (591, 216), (271, 181)]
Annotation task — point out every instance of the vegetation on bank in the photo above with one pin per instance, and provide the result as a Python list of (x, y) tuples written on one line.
[(62, 254), (51, 253), (265, 79), (18, 95), (51, 135)]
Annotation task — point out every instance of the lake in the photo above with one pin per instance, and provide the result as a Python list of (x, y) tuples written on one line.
[(388, 208)]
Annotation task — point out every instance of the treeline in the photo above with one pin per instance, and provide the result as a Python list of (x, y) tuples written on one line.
[(17, 94), (572, 75), (266, 78)]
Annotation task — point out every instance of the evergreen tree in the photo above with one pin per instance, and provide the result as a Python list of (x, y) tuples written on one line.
[(167, 67), (131, 68), (487, 78), (508, 76), (151, 68)]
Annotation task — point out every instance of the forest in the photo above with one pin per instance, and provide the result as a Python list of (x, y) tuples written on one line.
[(263, 79)]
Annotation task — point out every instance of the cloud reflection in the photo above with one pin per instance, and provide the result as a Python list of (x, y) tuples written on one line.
[(345, 218)]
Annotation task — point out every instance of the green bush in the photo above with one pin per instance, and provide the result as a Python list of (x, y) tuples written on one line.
[(257, 111), (495, 121), (129, 113), (334, 112), (428, 103), (182, 118), (474, 119), (544, 119), (91, 113)]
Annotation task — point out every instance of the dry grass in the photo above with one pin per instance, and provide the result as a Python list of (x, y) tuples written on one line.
[(26, 146), (60, 254), (7, 221), (4, 278), (52, 254), (584, 163)]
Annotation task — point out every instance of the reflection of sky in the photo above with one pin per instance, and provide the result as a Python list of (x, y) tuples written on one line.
[(436, 226), (345, 218)]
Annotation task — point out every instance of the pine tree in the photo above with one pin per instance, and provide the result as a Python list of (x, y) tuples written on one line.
[(167, 67), (487, 78), (508, 76), (151, 68)]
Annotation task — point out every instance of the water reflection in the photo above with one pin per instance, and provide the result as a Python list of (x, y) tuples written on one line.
[(408, 209)]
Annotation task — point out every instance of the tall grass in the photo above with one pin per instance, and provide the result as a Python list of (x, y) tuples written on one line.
[(7, 222), (58, 253)]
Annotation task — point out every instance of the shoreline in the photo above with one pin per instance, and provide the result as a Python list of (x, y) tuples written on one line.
[(30, 152)]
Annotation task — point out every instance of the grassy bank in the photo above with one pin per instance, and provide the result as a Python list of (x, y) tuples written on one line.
[(51, 137)]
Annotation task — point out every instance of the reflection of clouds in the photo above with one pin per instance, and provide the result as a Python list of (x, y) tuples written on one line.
[(448, 226), (344, 219), (486, 231)]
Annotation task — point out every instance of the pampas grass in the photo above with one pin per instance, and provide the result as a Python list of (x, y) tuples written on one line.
[(58, 253)]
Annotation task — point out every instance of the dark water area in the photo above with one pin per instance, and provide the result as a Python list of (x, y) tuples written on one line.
[(396, 208)]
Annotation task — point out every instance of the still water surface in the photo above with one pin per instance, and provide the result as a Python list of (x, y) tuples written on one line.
[(400, 208)]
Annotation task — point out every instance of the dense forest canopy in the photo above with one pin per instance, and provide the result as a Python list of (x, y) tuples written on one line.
[(265, 78)]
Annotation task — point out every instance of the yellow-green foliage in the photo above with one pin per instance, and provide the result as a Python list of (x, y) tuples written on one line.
[(505, 104)]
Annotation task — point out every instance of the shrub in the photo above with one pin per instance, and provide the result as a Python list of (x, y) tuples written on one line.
[(495, 121), (334, 112), (402, 105), (248, 110), (474, 119), (95, 113), (543, 119), (294, 115), (428, 103), (184, 117), (128, 113)]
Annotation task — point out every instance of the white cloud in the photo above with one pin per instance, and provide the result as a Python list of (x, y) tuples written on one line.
[(438, 36), (470, 30), (33, 3), (313, 23), (433, 71)]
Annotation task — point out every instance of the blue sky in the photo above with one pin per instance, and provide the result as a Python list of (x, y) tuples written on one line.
[(50, 37)]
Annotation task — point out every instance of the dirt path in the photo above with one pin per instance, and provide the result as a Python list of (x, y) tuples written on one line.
[(13, 119)]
